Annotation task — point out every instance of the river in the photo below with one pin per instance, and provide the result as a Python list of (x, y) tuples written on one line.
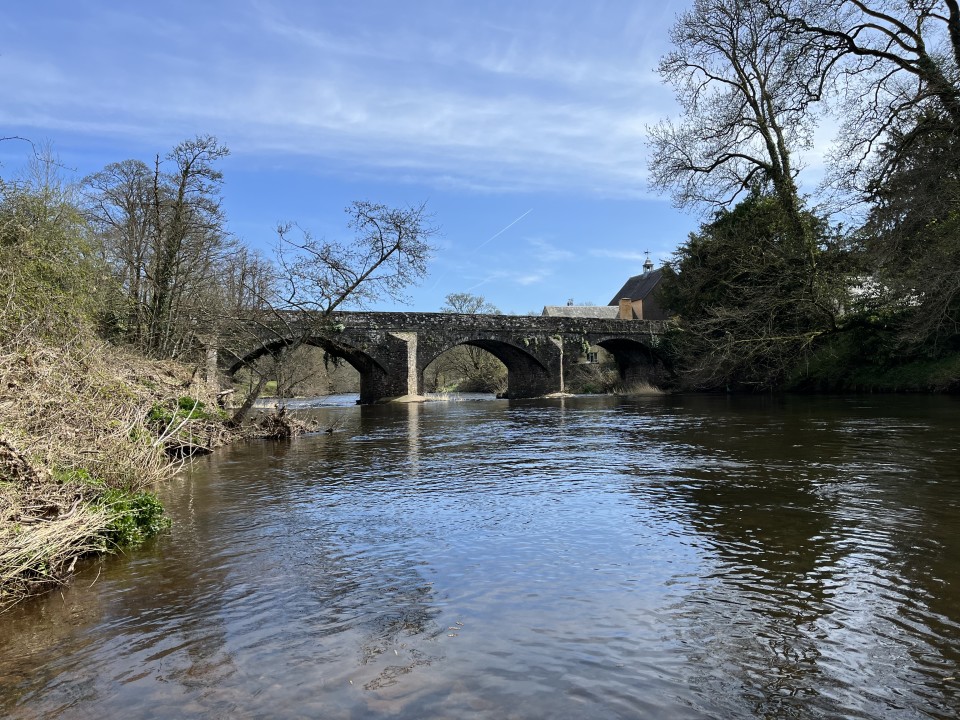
[(589, 557)]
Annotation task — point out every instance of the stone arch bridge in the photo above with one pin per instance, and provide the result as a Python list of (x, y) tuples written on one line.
[(391, 350)]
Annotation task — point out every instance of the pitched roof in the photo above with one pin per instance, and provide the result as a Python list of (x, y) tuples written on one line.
[(581, 311), (638, 287)]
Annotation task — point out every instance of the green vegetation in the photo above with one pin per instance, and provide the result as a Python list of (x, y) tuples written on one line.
[(858, 361), (750, 302), (135, 517), (183, 409), (110, 292), (80, 443), (769, 294)]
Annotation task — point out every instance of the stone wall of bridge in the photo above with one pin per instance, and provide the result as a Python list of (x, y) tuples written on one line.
[(391, 350)]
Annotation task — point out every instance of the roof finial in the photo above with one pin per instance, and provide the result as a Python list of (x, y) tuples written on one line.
[(648, 263)]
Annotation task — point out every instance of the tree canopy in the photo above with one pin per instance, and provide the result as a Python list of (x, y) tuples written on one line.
[(745, 307), (768, 281)]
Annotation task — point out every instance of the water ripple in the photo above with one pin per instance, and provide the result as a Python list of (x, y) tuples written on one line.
[(595, 557)]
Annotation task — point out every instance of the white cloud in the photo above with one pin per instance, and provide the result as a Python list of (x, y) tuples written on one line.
[(506, 278), (531, 278), (618, 254), (534, 101), (549, 252)]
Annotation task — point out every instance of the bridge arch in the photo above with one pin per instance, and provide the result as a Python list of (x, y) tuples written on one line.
[(637, 362), (527, 374), (373, 375)]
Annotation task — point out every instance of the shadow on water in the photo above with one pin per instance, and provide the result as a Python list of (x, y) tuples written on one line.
[(579, 557), (820, 539)]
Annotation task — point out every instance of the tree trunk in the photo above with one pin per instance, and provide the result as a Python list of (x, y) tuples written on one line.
[(241, 413)]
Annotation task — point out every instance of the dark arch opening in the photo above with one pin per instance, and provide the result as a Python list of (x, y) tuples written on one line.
[(466, 368), (526, 375), (372, 374), (361, 361), (637, 363)]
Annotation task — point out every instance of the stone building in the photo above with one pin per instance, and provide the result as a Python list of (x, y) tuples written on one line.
[(593, 353), (637, 298)]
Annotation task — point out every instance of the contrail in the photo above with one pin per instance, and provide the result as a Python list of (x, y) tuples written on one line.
[(485, 242), (482, 282), (501, 232)]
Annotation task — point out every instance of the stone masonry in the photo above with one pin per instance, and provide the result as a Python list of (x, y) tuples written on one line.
[(391, 350)]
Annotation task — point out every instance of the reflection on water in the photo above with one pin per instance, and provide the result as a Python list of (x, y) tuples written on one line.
[(704, 557)]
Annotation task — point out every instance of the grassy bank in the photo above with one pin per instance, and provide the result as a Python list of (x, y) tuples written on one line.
[(863, 361), (86, 430)]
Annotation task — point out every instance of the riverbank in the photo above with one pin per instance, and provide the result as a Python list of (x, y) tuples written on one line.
[(86, 430), (859, 363)]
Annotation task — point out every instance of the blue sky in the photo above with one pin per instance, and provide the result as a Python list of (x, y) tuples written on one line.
[(520, 124)]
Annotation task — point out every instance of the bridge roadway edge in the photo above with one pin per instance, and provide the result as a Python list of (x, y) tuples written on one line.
[(391, 350)]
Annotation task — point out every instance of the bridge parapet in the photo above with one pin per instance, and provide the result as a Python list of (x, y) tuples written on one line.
[(391, 350), (535, 324)]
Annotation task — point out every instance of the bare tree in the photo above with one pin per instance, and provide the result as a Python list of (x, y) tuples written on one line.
[(468, 304), (895, 61), (246, 281), (897, 65), (746, 88), (118, 203), (188, 222), (388, 253), (163, 233), (314, 278)]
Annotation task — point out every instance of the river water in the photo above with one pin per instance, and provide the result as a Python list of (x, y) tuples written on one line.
[(597, 557)]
